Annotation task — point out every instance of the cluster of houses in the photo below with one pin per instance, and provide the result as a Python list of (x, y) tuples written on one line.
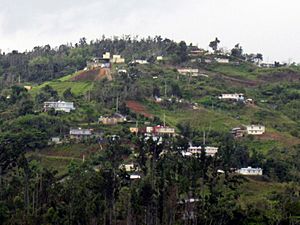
[(248, 130)]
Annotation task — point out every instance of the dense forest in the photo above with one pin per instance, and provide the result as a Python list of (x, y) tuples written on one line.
[(83, 181)]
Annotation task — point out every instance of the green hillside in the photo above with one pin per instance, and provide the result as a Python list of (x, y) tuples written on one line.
[(58, 165)]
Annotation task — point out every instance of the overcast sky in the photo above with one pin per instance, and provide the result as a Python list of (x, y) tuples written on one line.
[(267, 26)]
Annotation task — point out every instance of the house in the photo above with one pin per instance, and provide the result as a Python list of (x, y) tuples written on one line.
[(159, 58), (235, 97), (28, 88), (135, 176), (106, 55), (196, 150), (98, 63), (238, 132), (59, 106), (222, 60), (140, 61), (158, 131), (122, 71), (117, 59), (208, 61), (267, 65), (163, 130), (158, 99), (249, 171), (188, 71), (196, 52), (134, 130), (79, 133), (128, 167), (113, 120), (55, 140), (255, 129), (249, 101)]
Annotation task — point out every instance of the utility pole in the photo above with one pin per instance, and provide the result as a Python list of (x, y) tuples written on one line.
[(165, 89), (117, 104), (203, 137), (164, 120)]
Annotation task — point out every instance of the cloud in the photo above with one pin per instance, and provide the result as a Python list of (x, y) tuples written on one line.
[(267, 26)]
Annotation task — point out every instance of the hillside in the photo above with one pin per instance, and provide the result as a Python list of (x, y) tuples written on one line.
[(145, 114)]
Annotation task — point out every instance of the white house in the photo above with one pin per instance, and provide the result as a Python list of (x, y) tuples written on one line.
[(222, 60), (80, 133), (159, 58), (255, 129), (128, 167), (235, 96), (196, 150), (250, 171), (163, 130), (59, 106), (140, 61), (188, 71), (135, 176)]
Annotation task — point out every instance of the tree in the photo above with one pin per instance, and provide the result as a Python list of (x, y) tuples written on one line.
[(237, 51), (182, 51), (214, 44), (68, 95)]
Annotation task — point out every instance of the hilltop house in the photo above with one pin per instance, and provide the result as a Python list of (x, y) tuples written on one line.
[(197, 52), (59, 106), (235, 97), (250, 171), (98, 63), (196, 150), (79, 133), (222, 60), (255, 129), (188, 71)]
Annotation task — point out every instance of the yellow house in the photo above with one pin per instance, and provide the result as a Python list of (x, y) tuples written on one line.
[(117, 59), (134, 130), (28, 88), (106, 55)]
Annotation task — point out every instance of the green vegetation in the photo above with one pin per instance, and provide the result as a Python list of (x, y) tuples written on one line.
[(46, 183)]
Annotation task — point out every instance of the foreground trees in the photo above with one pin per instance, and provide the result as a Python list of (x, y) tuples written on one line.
[(172, 190)]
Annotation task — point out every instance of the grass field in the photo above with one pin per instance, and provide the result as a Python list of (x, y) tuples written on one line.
[(61, 84)]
